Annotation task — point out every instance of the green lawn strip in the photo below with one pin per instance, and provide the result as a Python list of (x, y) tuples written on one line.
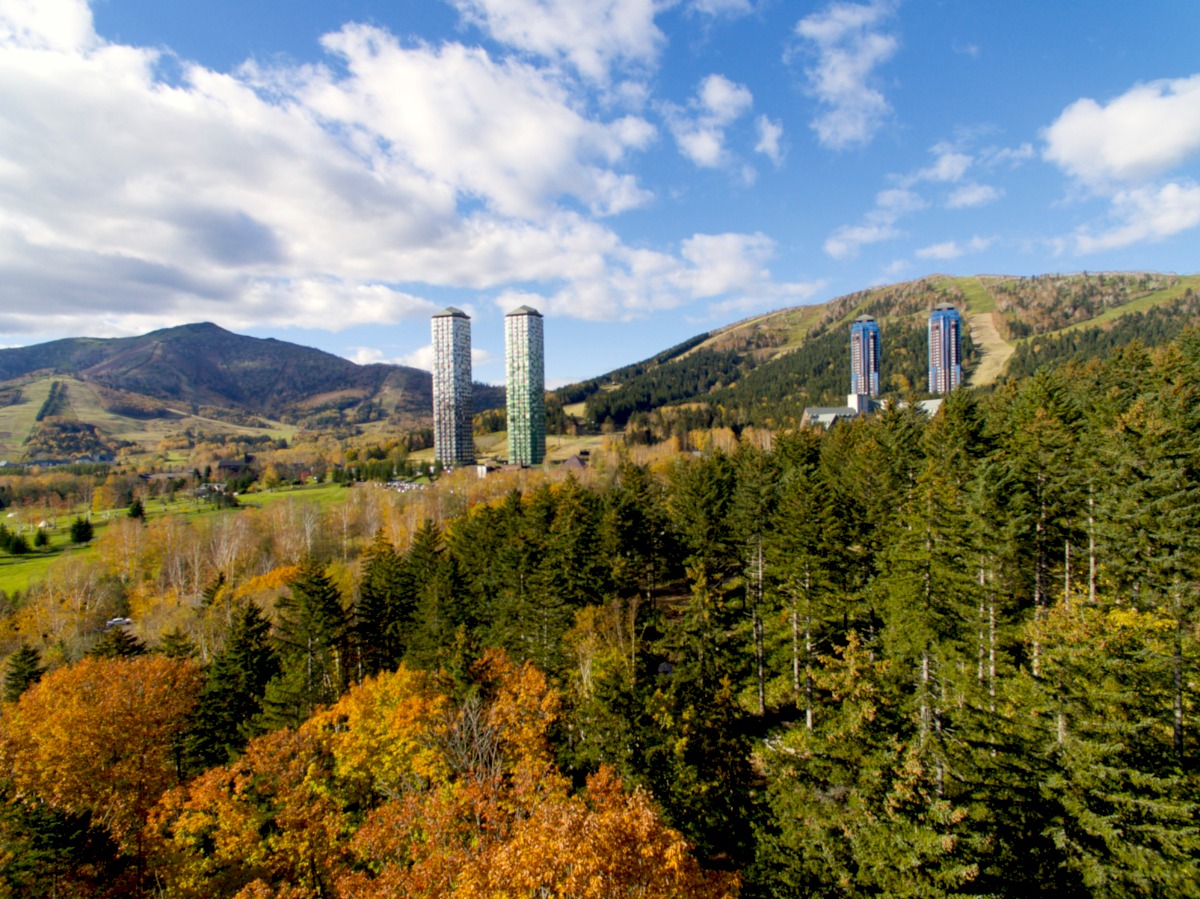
[(1141, 304), (979, 300), (19, 421), (324, 495)]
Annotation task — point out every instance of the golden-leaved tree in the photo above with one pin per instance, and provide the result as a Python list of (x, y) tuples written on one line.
[(397, 791), (101, 737)]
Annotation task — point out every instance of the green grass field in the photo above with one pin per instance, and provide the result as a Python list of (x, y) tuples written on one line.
[(1141, 304), (19, 421), (978, 298)]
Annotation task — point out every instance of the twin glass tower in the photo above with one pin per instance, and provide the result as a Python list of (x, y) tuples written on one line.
[(526, 386), (945, 354), (525, 369), (453, 438)]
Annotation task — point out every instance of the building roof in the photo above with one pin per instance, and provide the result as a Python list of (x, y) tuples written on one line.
[(525, 310), (451, 311), (864, 318), (826, 415), (944, 307)]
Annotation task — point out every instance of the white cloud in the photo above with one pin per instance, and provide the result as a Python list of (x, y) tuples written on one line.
[(1009, 156), (729, 9), (699, 130), (949, 165), (849, 45), (506, 132), (62, 25), (773, 297), (971, 195), (730, 270), (948, 250), (592, 37), (770, 136), (1121, 151), (1146, 214), (1145, 132), (725, 263), (301, 196), (878, 225), (421, 358), (847, 240)]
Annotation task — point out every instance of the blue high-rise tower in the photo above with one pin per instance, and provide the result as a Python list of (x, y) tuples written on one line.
[(864, 357), (945, 348)]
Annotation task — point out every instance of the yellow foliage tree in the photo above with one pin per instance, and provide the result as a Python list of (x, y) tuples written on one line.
[(101, 737)]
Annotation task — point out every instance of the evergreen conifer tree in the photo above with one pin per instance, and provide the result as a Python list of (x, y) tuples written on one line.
[(231, 700), (312, 640), (24, 669), (118, 643)]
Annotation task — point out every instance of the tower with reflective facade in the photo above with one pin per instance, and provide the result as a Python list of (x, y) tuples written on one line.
[(945, 348), (453, 441), (525, 367), (864, 357)]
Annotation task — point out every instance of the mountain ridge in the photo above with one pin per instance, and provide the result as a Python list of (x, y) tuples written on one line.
[(204, 371)]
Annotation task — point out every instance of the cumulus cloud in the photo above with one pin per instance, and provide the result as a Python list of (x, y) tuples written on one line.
[(770, 137), (1123, 151), (421, 358), (506, 131), (948, 250), (971, 195), (849, 44), (62, 25), (699, 129), (592, 37), (297, 195), (730, 270), (949, 165), (1146, 214), (1007, 156), (1143, 133), (878, 225), (730, 9), (324, 195)]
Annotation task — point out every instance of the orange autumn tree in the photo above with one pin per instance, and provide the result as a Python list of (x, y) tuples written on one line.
[(101, 737), (279, 817), (601, 843), (395, 791)]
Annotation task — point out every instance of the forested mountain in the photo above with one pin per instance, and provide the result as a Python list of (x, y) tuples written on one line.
[(202, 369), (764, 371)]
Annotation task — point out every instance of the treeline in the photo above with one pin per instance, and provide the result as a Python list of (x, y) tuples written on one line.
[(909, 656), (689, 378), (1043, 303), (56, 404), (1152, 328), (577, 393)]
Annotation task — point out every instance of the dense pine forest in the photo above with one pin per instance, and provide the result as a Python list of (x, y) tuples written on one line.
[(908, 656)]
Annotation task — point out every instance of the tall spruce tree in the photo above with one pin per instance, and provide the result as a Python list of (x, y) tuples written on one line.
[(24, 669), (312, 639), (231, 700), (754, 501), (383, 611)]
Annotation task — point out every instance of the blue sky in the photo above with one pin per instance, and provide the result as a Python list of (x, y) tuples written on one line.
[(332, 172)]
